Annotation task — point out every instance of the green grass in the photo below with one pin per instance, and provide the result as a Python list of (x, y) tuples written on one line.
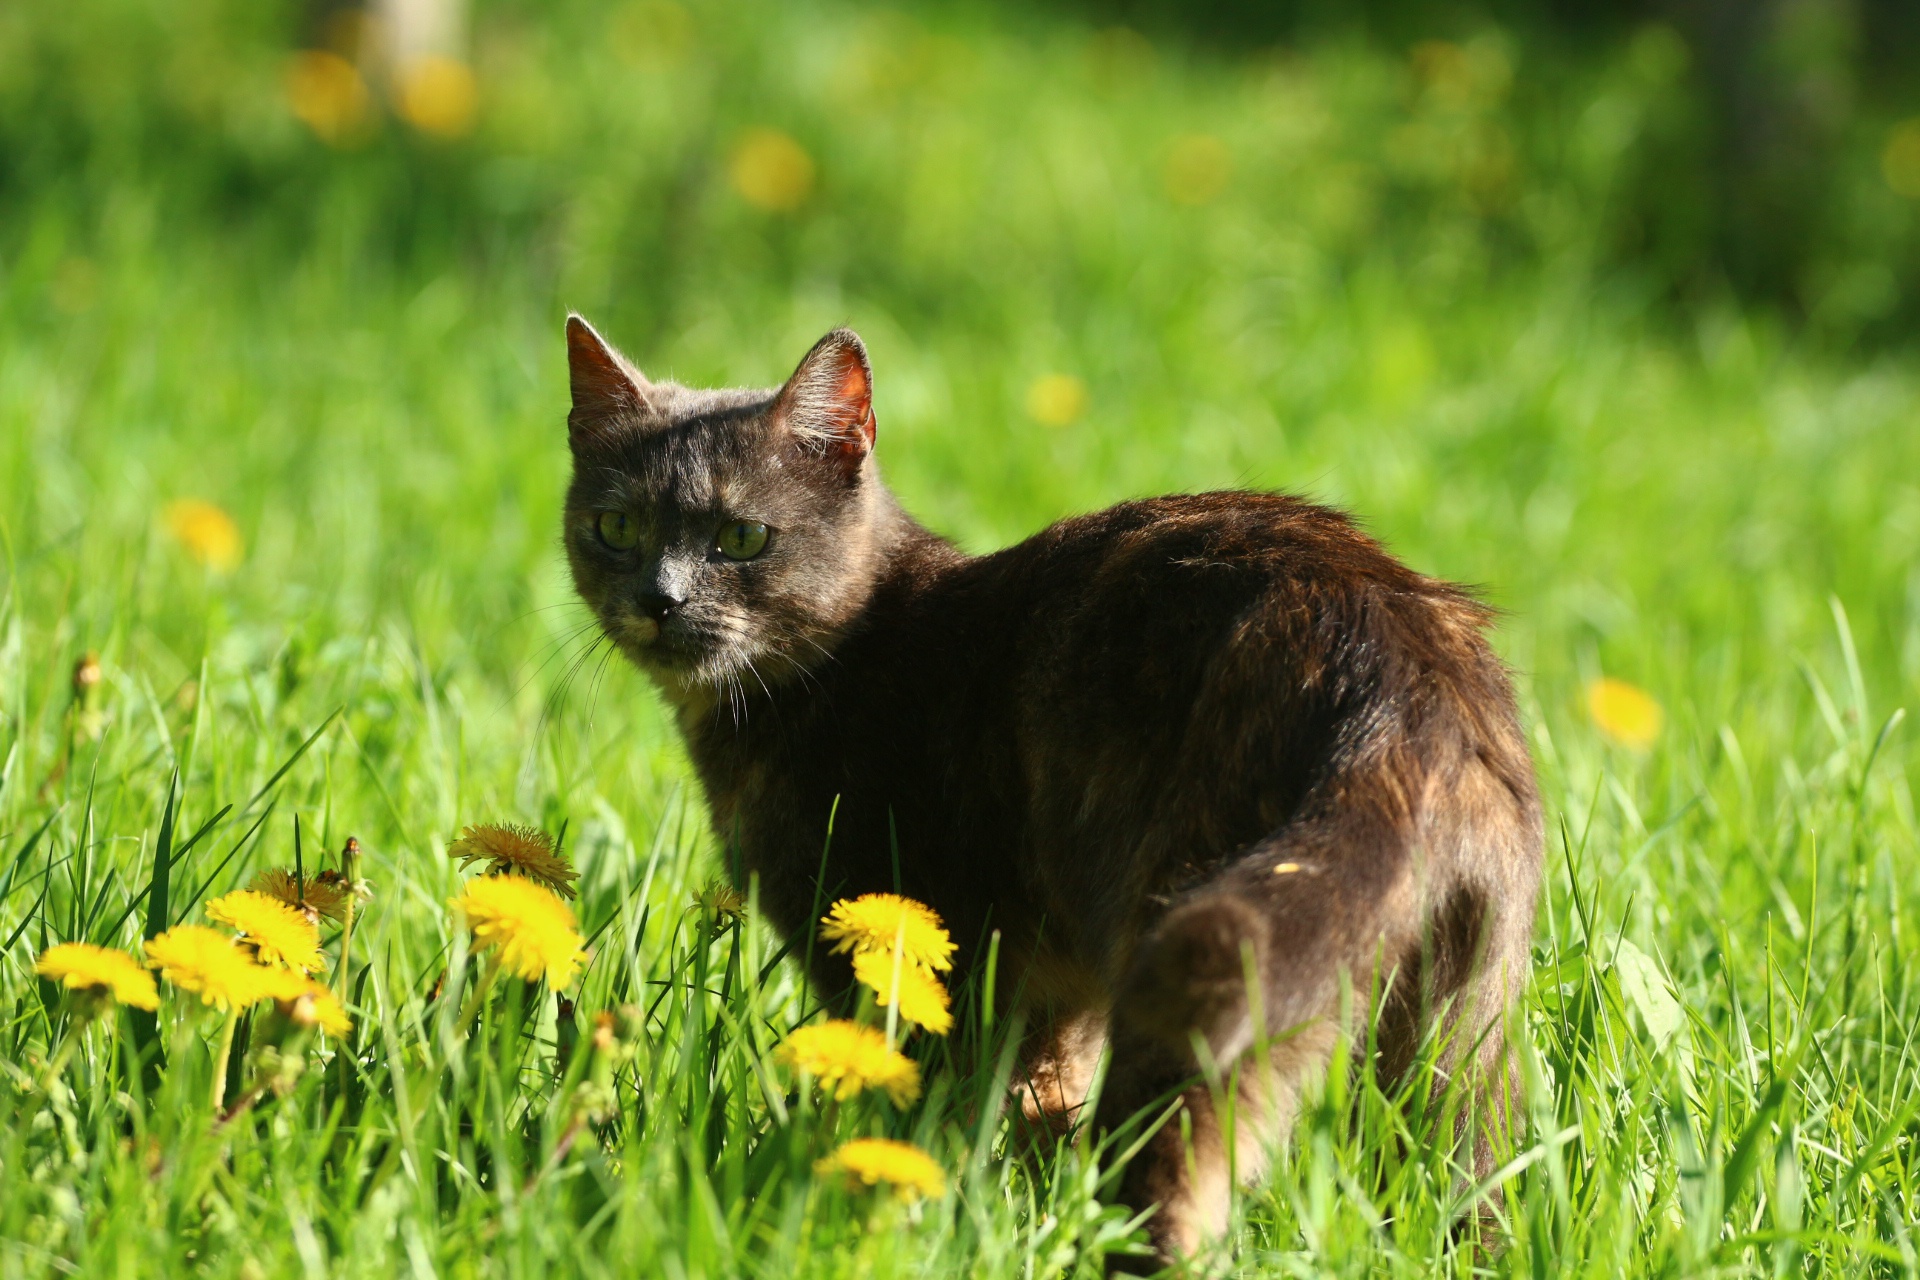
[(357, 353)]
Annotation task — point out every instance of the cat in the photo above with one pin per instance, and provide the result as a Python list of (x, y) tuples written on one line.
[(1157, 748)]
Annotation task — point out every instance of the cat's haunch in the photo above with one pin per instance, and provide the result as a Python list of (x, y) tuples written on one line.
[(1157, 748)]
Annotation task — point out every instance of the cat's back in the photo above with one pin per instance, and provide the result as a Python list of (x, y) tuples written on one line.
[(1189, 665), (1162, 589)]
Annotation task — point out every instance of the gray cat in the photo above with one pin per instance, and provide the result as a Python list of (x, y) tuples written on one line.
[(1157, 748)]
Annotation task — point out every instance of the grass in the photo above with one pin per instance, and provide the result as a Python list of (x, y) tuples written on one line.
[(1389, 298)]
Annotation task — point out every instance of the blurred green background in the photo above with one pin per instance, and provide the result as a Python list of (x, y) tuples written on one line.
[(1609, 308)]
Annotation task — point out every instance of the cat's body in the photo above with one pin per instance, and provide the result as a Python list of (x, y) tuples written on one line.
[(1149, 747)]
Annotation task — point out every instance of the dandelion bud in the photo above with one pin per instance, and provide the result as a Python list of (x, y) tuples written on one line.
[(86, 675)]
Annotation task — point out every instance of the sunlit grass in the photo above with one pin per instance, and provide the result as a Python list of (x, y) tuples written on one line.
[(281, 448)]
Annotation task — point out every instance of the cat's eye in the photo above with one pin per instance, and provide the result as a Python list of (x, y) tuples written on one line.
[(742, 539), (619, 530)]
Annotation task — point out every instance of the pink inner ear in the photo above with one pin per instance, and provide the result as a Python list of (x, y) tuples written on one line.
[(853, 402)]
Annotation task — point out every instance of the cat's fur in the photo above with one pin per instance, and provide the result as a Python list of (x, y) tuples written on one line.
[(1155, 748)]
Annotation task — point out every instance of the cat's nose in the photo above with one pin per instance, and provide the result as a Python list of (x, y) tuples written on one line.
[(659, 604)]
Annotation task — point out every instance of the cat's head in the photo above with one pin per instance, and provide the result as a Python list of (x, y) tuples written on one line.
[(723, 535)]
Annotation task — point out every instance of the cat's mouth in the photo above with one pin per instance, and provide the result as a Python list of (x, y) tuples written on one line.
[(683, 648)]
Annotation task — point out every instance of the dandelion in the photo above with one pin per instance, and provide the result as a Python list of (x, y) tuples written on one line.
[(213, 967), (529, 930), (1057, 399), (308, 1003), (1626, 713), (917, 994), (878, 922), (279, 934), (719, 902), (208, 533), (326, 93), (847, 1058), (98, 975), (910, 1171), (509, 849), (771, 171), (438, 95), (209, 964), (316, 897)]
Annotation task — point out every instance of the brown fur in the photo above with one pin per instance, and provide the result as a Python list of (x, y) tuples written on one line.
[(1150, 746)]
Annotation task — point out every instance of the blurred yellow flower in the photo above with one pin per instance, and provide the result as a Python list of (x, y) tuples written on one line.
[(847, 1058), (308, 1003), (1624, 712), (1197, 169), (211, 965), (279, 934), (921, 998), (208, 533), (1057, 399), (771, 171), (99, 971), (1900, 162), (877, 922), (910, 1171), (651, 33), (326, 93), (314, 897), (507, 848), (438, 95), (527, 924)]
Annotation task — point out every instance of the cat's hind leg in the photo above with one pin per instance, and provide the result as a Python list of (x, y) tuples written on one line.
[(1301, 915)]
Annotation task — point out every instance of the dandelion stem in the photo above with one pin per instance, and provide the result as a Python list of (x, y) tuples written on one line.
[(899, 958), (57, 1063), (471, 1009), (350, 871), (221, 1057)]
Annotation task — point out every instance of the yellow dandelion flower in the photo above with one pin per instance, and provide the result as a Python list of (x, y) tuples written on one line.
[(209, 964), (847, 1058), (879, 921), (771, 171), (922, 1000), (308, 1003), (327, 94), (279, 934), (315, 897), (910, 1171), (1626, 713), (208, 533), (527, 924), (99, 972), (719, 901), (507, 848), (1057, 399), (438, 95)]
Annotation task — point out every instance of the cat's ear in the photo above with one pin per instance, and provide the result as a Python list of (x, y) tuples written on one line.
[(607, 390), (828, 402)]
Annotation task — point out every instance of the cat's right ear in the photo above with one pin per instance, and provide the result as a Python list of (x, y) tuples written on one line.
[(607, 390)]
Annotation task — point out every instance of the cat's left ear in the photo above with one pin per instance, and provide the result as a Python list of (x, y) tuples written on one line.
[(828, 402)]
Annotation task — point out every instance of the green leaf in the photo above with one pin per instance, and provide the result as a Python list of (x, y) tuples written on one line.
[(1646, 989)]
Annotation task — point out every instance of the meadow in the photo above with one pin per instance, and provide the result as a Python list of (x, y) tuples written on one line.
[(326, 318)]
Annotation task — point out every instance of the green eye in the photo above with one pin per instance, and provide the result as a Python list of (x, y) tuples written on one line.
[(743, 539), (619, 530)]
